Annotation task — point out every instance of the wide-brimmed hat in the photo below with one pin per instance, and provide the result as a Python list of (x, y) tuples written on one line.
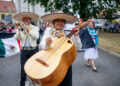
[(60, 15), (20, 16)]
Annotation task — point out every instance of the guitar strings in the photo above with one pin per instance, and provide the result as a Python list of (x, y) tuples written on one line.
[(56, 48), (59, 43)]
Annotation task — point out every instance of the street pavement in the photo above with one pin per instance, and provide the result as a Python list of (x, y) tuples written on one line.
[(108, 71)]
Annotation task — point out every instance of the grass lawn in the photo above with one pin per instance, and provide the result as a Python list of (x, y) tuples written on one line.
[(110, 41)]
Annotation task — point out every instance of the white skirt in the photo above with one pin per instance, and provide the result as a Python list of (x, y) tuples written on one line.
[(91, 53)]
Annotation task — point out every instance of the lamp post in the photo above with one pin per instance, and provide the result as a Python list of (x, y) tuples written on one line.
[(28, 7), (33, 8)]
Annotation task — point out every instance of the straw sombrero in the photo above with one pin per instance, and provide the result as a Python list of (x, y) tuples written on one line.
[(21, 15), (50, 17)]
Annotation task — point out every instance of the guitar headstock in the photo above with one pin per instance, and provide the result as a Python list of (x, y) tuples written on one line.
[(81, 25)]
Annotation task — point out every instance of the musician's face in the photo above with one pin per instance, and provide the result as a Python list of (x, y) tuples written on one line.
[(59, 24), (27, 20), (90, 24)]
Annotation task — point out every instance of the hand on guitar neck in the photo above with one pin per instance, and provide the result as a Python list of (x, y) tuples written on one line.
[(76, 31), (79, 27)]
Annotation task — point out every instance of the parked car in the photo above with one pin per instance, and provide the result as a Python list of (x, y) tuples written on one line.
[(98, 24)]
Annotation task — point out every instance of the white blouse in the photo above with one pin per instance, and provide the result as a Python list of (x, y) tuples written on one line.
[(76, 39)]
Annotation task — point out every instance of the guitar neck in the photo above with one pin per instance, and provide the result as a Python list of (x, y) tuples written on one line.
[(80, 26)]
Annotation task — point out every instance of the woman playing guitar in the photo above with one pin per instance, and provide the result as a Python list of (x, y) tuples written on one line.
[(58, 20), (52, 65)]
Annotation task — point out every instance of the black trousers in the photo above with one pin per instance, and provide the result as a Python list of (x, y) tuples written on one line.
[(25, 55), (68, 78)]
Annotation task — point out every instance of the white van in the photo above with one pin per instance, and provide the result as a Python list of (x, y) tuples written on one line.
[(98, 24)]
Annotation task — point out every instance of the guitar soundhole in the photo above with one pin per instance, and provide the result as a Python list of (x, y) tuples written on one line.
[(69, 41)]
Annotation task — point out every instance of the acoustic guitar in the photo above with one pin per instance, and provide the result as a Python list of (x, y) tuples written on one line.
[(49, 67)]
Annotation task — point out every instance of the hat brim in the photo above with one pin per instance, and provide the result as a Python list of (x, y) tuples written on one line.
[(51, 17), (20, 16)]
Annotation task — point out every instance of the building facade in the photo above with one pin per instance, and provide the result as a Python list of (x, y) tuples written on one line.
[(7, 11), (23, 6)]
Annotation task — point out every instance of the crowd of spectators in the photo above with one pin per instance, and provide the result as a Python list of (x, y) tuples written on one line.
[(111, 27), (7, 27), (7, 30)]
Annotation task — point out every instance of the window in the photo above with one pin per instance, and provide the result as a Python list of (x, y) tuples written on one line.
[(2, 16), (5, 6)]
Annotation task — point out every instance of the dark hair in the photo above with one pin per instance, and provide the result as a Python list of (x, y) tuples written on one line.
[(28, 17), (58, 19), (33, 23)]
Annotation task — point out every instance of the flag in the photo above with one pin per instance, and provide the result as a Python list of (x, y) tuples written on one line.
[(9, 47)]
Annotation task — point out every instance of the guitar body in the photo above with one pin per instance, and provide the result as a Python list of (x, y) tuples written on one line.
[(58, 59)]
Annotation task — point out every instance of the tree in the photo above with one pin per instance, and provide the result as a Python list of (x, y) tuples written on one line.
[(84, 8)]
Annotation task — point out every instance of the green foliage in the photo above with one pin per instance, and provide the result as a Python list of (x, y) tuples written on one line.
[(84, 8)]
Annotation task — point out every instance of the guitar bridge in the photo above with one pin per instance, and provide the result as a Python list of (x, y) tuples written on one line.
[(42, 62)]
